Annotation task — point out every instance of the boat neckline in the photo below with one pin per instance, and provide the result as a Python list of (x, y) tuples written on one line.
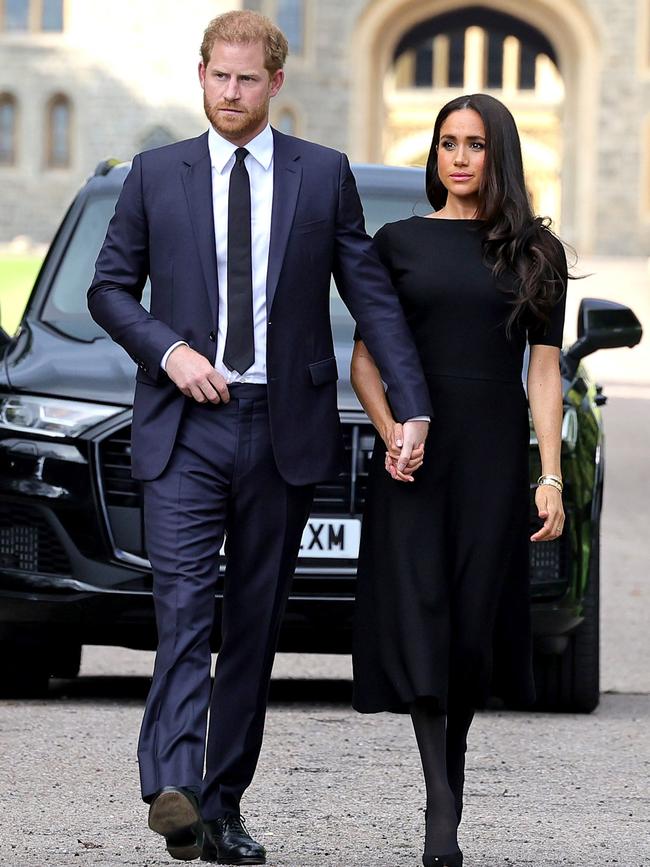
[(449, 219)]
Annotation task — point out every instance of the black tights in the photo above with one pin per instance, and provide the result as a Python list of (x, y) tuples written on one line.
[(442, 741), (459, 719)]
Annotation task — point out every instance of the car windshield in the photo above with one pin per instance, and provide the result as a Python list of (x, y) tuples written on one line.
[(65, 307), (378, 209)]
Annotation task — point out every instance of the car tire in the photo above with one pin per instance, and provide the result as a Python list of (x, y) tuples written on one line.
[(570, 681), (65, 659), (24, 670)]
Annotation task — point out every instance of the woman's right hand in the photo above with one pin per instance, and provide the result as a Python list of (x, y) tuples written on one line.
[(393, 437)]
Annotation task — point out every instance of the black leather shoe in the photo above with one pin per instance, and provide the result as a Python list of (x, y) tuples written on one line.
[(174, 814), (227, 841)]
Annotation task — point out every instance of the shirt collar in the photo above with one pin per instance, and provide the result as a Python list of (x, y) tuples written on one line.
[(221, 150)]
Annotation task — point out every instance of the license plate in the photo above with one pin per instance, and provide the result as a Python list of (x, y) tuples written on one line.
[(325, 537)]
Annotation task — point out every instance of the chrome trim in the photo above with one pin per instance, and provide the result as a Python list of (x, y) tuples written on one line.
[(354, 417), (132, 559), (354, 458), (118, 553)]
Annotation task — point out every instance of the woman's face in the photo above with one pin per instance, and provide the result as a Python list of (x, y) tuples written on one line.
[(461, 153)]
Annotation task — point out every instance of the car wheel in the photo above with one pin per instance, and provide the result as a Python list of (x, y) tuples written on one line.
[(570, 681), (65, 659), (24, 670)]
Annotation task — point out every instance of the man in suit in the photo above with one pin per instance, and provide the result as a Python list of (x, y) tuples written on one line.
[(235, 415)]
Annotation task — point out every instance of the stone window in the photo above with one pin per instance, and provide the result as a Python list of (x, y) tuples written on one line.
[(286, 121), (15, 15), (23, 16), (59, 131), (156, 137), (290, 18), (7, 130), (52, 15)]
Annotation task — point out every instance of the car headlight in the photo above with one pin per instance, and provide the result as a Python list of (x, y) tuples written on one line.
[(51, 416)]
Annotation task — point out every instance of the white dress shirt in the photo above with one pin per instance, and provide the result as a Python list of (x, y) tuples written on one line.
[(259, 165)]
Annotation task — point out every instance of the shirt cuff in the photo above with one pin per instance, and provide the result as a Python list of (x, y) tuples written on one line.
[(163, 361), (420, 418)]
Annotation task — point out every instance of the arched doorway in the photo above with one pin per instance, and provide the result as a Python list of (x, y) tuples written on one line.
[(540, 57), (469, 50)]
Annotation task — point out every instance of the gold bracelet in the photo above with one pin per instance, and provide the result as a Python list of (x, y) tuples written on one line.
[(553, 481), (558, 479)]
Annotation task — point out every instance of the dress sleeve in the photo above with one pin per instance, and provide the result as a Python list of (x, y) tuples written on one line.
[(381, 248), (550, 333)]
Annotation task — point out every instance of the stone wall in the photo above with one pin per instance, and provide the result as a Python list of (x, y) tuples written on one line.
[(129, 72)]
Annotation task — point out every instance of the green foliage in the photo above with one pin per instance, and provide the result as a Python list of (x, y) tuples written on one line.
[(17, 277)]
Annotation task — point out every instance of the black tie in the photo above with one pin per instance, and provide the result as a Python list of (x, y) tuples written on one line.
[(239, 351)]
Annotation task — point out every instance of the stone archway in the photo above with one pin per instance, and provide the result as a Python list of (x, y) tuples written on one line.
[(575, 40)]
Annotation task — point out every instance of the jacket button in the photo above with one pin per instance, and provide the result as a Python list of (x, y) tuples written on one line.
[(213, 336)]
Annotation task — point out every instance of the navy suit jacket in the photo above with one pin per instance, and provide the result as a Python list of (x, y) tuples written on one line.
[(163, 228)]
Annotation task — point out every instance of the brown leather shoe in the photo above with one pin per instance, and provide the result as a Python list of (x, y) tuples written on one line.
[(174, 814)]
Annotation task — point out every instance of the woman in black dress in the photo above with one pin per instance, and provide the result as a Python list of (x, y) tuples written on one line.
[(443, 617)]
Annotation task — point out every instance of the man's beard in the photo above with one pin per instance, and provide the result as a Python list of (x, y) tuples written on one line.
[(234, 125)]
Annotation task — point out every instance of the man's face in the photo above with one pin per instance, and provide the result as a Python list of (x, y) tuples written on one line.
[(237, 90)]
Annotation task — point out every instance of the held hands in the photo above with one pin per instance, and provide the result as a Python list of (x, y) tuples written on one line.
[(549, 508), (405, 449), (193, 374)]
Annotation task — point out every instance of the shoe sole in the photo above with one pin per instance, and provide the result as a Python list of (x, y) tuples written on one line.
[(212, 858), (170, 814), (236, 861)]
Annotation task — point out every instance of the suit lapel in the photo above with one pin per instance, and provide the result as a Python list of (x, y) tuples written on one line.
[(197, 181), (287, 175)]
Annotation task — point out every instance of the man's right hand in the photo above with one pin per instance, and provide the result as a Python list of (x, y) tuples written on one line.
[(193, 374)]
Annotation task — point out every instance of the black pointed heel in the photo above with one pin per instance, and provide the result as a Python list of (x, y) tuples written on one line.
[(455, 859)]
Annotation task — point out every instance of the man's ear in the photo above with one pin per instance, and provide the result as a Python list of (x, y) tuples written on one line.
[(277, 80), (202, 74)]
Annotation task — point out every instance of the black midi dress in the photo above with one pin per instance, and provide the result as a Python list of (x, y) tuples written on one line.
[(442, 607)]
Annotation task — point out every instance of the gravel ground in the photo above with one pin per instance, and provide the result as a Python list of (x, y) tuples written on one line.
[(333, 787)]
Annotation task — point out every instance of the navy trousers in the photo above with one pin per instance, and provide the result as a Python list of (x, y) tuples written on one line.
[(222, 478)]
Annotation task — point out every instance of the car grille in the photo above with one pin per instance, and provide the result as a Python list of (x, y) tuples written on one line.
[(123, 495), (115, 461), (346, 495), (28, 543)]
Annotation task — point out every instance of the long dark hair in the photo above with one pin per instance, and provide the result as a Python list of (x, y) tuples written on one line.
[(515, 242)]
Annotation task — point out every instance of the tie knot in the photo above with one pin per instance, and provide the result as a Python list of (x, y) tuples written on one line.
[(240, 155)]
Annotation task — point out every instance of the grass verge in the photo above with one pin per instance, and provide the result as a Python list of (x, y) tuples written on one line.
[(17, 275)]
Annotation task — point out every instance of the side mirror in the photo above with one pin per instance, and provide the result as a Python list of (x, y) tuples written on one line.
[(603, 325)]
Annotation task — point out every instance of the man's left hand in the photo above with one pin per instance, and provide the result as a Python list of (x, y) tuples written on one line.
[(414, 435)]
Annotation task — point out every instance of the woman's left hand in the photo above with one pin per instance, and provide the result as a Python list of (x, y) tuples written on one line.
[(550, 509)]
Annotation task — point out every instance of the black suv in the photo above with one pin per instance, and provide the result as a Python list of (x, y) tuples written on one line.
[(73, 564)]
